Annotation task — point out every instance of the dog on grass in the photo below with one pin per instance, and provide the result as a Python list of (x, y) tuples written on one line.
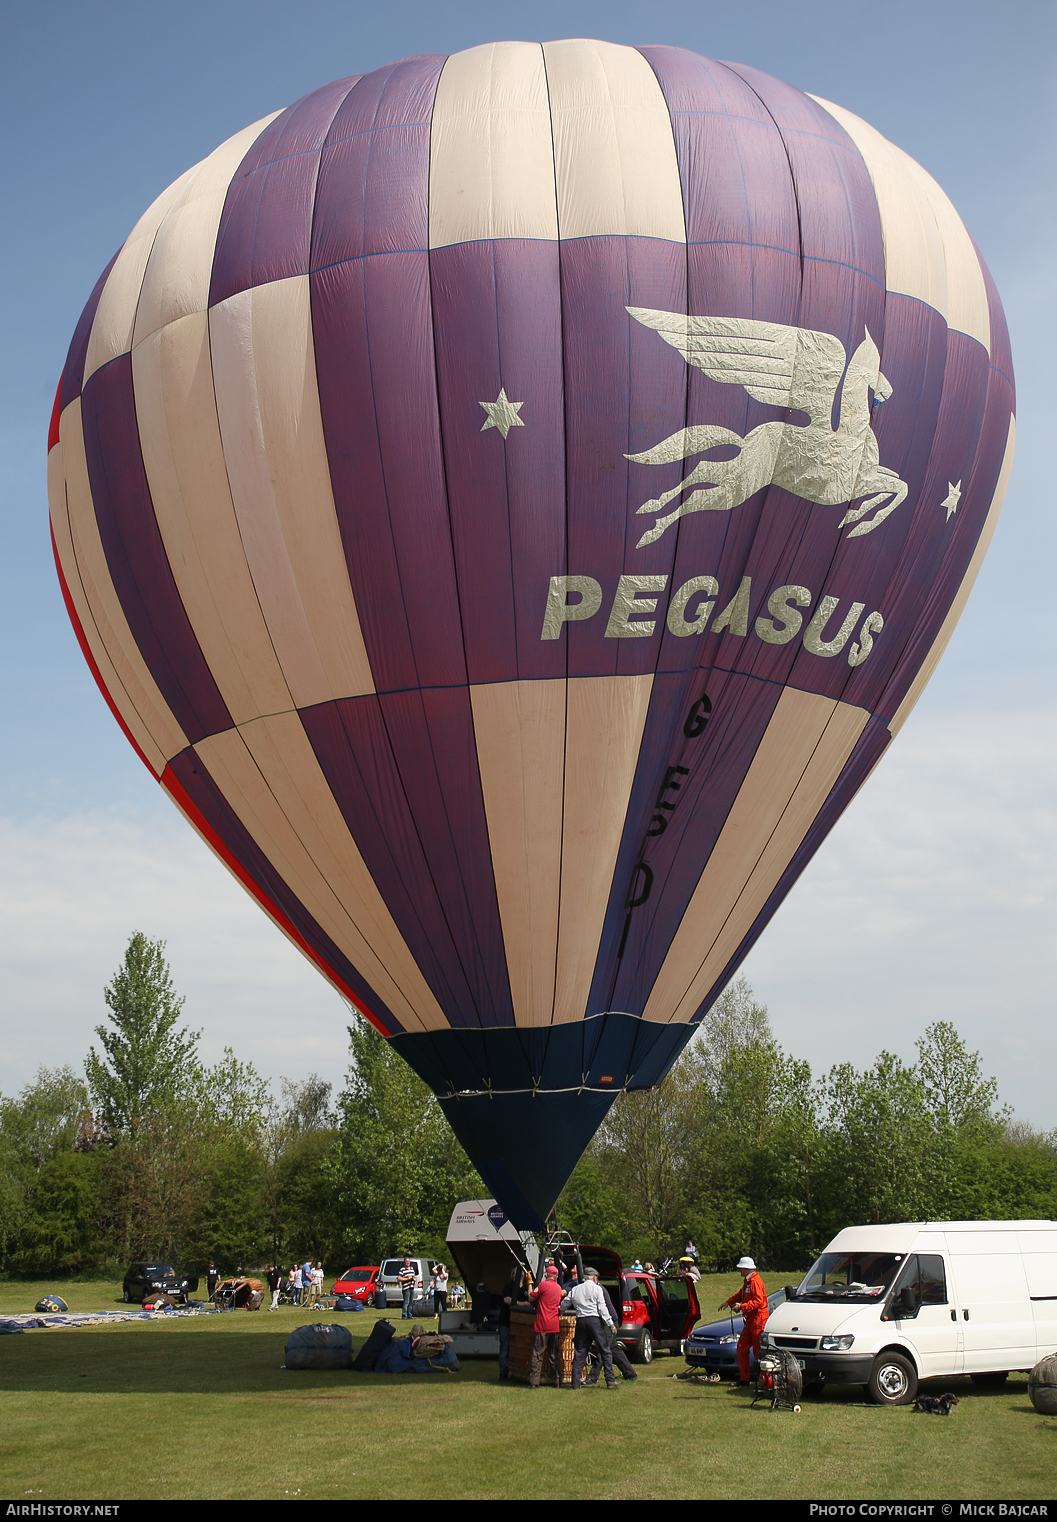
[(936, 1405)]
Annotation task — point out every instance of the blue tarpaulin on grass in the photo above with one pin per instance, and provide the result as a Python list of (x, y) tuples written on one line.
[(396, 1358), (13, 1324)]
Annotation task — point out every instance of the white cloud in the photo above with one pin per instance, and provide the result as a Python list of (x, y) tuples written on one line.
[(72, 893)]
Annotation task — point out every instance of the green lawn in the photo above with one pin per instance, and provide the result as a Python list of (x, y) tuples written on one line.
[(202, 1409)]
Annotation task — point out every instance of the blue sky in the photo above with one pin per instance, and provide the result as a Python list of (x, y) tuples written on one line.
[(933, 898)]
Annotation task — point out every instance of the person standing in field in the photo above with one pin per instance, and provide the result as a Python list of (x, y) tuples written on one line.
[(275, 1275), (406, 1280), (297, 1282), (751, 1300), (510, 1295), (592, 1320), (439, 1286), (621, 1360), (317, 1283), (546, 1330)]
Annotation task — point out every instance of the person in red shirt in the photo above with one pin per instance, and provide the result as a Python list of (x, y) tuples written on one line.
[(546, 1332), (751, 1300)]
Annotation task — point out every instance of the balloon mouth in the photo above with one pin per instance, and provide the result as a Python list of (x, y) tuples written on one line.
[(525, 1103)]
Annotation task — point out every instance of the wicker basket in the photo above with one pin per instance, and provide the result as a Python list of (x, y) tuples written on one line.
[(520, 1357)]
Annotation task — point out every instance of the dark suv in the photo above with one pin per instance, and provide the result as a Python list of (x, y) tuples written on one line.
[(144, 1279)]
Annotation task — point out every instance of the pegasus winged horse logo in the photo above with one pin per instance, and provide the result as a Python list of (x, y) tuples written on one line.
[(788, 367)]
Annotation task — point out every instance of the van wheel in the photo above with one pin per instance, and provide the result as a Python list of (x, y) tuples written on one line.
[(999, 1377), (893, 1380), (644, 1349)]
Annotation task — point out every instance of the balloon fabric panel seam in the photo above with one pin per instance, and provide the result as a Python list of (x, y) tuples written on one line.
[(90, 659)]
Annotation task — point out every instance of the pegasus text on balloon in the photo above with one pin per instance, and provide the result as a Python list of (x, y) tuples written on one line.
[(691, 607)]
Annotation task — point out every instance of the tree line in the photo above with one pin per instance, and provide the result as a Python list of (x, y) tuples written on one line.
[(152, 1152)]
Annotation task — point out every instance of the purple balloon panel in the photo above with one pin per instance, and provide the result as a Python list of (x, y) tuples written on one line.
[(497, 325), (403, 770), (135, 553), (73, 370), (266, 226)]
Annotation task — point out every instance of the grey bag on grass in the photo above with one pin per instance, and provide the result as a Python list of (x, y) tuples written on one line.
[(319, 1346)]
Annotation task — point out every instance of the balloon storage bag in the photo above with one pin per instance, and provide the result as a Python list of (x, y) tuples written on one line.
[(381, 1334), (319, 1346)]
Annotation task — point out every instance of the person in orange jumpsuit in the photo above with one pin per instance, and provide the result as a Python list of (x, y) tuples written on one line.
[(751, 1301)]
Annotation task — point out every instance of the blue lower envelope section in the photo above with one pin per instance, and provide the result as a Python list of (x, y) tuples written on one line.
[(526, 1102)]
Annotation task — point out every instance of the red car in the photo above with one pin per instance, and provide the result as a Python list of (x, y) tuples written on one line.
[(656, 1312), (360, 1283)]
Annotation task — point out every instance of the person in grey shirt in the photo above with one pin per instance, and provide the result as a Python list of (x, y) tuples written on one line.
[(621, 1360), (592, 1319)]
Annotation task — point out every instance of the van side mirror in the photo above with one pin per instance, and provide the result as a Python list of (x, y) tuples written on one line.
[(790, 1291), (902, 1306)]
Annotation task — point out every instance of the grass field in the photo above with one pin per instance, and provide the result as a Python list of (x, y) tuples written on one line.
[(202, 1409)]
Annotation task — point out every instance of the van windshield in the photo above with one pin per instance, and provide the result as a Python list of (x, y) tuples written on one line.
[(851, 1276)]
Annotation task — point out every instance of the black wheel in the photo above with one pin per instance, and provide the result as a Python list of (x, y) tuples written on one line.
[(999, 1377), (126, 1297), (644, 1348), (893, 1380)]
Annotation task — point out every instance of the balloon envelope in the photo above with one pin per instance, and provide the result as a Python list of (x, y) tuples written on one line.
[(511, 500)]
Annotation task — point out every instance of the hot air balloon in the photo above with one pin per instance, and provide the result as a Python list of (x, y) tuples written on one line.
[(511, 501)]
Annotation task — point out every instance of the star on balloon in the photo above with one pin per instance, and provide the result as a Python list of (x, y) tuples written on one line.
[(951, 500), (502, 413)]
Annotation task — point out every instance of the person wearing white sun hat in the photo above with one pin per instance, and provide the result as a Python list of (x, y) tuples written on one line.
[(751, 1300)]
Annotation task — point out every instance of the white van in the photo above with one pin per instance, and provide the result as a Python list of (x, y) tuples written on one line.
[(887, 1306)]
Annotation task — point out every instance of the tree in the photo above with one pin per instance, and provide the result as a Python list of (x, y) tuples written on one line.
[(733, 1023), (306, 1105), (754, 1140), (398, 1168), (955, 1089), (148, 1063), (51, 1115), (299, 1183), (642, 1143), (881, 1154), (50, 1118), (62, 1231), (148, 1088)]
